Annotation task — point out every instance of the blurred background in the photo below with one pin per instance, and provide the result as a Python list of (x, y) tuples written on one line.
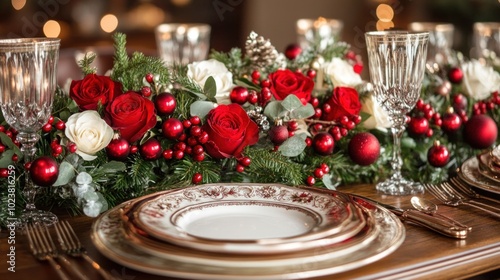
[(84, 24)]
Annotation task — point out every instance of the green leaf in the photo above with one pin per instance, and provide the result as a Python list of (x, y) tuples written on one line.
[(294, 145), (210, 87), (66, 174), (274, 110), (201, 108), (291, 102), (330, 181), (113, 166), (6, 158), (5, 140), (302, 112)]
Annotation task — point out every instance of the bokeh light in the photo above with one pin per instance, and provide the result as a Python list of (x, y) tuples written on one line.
[(18, 4), (51, 29), (109, 23), (385, 13)]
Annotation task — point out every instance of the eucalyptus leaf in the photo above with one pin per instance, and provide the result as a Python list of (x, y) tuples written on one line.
[(303, 112), (66, 174), (291, 102), (274, 110), (73, 159), (6, 158), (113, 166), (6, 141), (210, 87), (201, 108), (330, 182), (293, 146)]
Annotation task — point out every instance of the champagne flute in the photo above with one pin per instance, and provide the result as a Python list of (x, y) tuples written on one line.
[(27, 87), (397, 64)]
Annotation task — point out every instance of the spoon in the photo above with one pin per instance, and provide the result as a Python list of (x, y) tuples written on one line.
[(428, 207)]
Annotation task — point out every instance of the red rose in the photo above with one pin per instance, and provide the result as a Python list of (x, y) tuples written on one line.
[(286, 82), (343, 102), (131, 114), (229, 130), (93, 89)]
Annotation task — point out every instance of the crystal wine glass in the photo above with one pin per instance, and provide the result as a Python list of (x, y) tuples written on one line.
[(27, 87), (397, 64)]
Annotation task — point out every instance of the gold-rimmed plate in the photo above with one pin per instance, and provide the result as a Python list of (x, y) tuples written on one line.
[(248, 218), (471, 173)]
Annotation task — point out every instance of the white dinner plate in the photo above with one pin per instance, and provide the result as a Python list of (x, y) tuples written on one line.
[(470, 173), (248, 218), (108, 237)]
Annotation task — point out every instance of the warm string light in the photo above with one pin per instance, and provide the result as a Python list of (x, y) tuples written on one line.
[(109, 23)]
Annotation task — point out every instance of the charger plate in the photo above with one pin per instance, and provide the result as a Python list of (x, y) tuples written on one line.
[(470, 173), (248, 218), (108, 237)]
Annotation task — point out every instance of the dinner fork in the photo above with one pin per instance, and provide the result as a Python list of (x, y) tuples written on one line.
[(445, 194), (466, 190), (70, 244), (43, 248)]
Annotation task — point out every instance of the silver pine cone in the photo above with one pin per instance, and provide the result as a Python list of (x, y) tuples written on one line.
[(260, 51)]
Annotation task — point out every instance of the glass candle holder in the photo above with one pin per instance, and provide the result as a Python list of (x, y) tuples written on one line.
[(319, 32), (183, 43), (440, 51), (487, 42)]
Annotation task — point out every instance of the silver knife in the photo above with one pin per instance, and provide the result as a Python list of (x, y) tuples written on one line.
[(431, 222)]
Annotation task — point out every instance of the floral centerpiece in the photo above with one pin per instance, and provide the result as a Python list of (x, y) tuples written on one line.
[(253, 115)]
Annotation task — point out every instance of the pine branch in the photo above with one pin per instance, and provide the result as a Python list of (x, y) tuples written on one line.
[(85, 63), (268, 166)]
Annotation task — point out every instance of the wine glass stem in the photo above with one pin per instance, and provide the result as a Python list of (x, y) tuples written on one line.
[(397, 161), (28, 141)]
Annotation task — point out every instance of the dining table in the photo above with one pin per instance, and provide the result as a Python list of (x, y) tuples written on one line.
[(424, 254)]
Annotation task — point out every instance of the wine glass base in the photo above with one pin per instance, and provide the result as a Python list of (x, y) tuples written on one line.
[(399, 187), (38, 217)]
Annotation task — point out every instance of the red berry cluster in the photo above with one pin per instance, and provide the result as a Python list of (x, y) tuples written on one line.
[(190, 138), (318, 173), (243, 163), (419, 120), (59, 125), (483, 106), (241, 95), (356, 60)]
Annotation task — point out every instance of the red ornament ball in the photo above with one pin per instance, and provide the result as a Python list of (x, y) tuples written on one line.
[(172, 128), (418, 126), (239, 95), (118, 149), (151, 149), (197, 178), (364, 148), (278, 134), (165, 103), (292, 51), (455, 75), (480, 131), (451, 122), (438, 155), (323, 143), (44, 171)]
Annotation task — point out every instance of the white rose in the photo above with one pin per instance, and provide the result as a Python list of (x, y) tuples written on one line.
[(479, 81), (379, 118), (201, 70), (341, 73), (89, 132)]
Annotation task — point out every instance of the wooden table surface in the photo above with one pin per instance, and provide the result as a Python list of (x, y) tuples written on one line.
[(423, 255)]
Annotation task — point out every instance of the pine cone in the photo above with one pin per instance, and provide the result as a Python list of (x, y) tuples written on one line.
[(260, 51)]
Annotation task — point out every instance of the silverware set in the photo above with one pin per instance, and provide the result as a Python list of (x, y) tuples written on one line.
[(456, 193), (44, 249)]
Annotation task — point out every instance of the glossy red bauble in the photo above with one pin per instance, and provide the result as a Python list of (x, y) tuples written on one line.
[(239, 95), (197, 178), (438, 155), (455, 75), (292, 51), (118, 149), (323, 143), (44, 171), (165, 103), (480, 131), (151, 149), (451, 122), (364, 148), (172, 128), (418, 126)]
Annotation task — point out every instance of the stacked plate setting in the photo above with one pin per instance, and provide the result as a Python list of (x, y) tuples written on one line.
[(483, 171), (247, 231)]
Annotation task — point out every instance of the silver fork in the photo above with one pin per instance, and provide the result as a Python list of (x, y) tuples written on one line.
[(446, 195), (461, 186), (71, 245), (43, 247)]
